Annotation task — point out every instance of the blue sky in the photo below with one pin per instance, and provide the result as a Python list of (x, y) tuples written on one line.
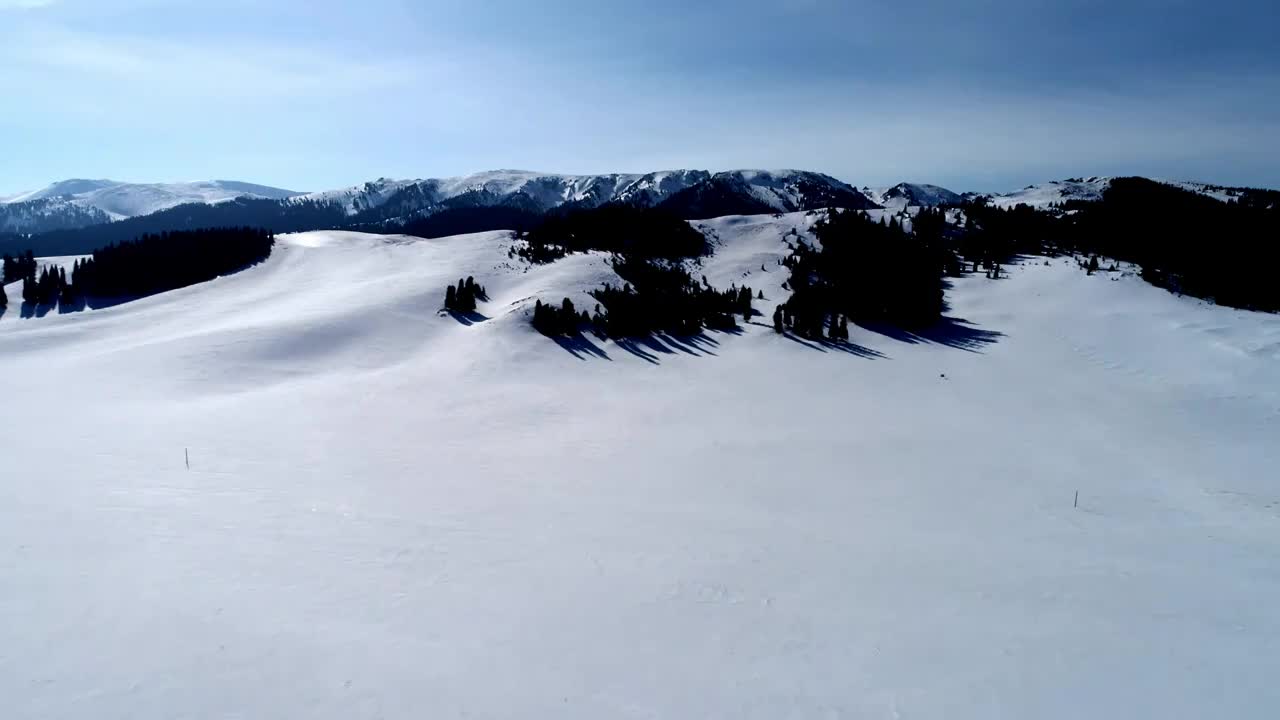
[(973, 94)]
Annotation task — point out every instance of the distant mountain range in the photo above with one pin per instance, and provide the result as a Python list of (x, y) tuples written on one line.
[(78, 203), (75, 216)]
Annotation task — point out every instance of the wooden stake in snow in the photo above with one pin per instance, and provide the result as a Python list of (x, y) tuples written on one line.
[(1076, 504), (186, 454)]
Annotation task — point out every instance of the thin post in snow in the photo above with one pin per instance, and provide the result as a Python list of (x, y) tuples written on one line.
[(186, 455), (1076, 503)]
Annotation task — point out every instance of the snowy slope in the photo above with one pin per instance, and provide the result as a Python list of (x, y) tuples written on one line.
[(120, 200), (912, 195), (1089, 189), (1217, 192), (392, 513), (1057, 191)]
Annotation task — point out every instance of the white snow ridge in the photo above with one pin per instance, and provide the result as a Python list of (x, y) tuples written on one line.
[(389, 512), (121, 200)]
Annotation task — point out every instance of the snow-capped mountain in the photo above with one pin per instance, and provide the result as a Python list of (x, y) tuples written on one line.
[(1090, 189), (1057, 191), (694, 193), (79, 202), (912, 195), (47, 214)]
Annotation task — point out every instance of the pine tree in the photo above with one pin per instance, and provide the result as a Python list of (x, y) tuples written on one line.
[(777, 319), (450, 298)]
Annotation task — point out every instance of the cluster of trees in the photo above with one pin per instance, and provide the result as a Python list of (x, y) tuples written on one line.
[(1187, 242), (563, 320), (993, 235), (661, 296), (169, 260), (1183, 241), (784, 320), (19, 268), (868, 271), (50, 287), (658, 296), (462, 297), (623, 229)]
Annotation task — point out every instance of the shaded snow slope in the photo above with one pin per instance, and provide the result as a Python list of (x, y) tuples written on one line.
[(393, 513)]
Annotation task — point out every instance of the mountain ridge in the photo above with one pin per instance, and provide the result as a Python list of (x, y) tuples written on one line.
[(78, 203)]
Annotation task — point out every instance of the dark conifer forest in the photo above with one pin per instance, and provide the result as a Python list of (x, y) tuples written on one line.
[(641, 232), (1182, 240), (170, 260), (136, 268), (868, 271)]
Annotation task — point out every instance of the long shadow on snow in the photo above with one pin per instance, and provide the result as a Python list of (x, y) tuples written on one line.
[(649, 348), (951, 332), (580, 346), (828, 345), (467, 318), (844, 346)]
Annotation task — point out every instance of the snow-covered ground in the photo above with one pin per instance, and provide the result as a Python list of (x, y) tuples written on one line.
[(1091, 189), (392, 513), (1057, 191)]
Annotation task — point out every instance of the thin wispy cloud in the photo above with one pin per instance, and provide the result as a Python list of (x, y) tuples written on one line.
[(25, 4), (981, 96)]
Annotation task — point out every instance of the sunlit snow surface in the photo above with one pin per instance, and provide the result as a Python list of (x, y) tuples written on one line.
[(393, 513)]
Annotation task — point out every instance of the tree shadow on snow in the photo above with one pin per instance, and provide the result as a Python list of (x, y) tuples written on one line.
[(828, 345), (467, 318), (650, 348), (580, 346), (951, 332)]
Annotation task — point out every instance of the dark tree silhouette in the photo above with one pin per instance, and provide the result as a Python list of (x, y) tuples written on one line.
[(156, 263), (639, 232)]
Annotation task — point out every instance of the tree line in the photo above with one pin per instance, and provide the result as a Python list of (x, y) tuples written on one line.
[(622, 229), (144, 266), (1183, 241), (20, 267)]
